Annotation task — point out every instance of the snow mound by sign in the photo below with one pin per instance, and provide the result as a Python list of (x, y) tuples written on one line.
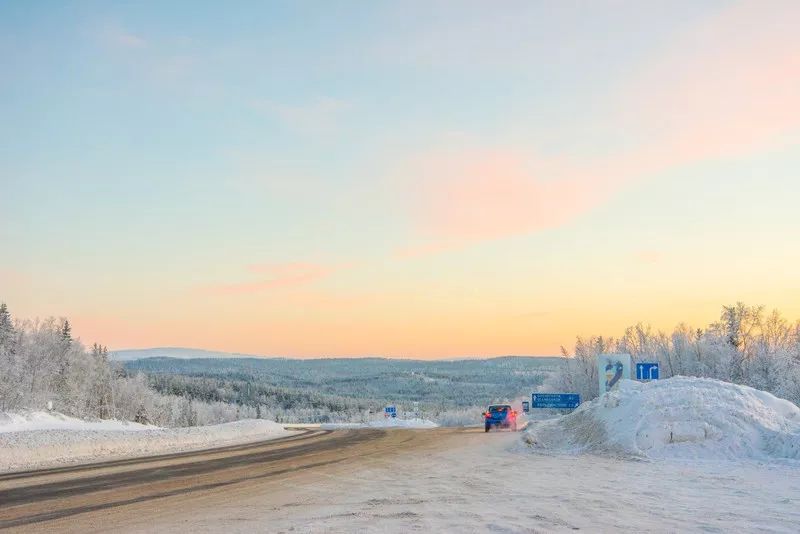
[(384, 423), (677, 418), (35, 440)]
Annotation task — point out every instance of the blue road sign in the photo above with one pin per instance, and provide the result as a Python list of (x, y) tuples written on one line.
[(647, 371), (555, 400), (390, 411), (526, 406)]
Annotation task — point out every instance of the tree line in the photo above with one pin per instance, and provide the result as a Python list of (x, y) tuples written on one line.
[(43, 366), (746, 345)]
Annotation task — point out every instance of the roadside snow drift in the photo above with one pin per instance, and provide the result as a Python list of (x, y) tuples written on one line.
[(677, 418), (39, 439)]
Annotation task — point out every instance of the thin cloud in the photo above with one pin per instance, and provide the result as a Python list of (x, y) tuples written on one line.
[(319, 116), (277, 276), (119, 37), (172, 63), (728, 87), (425, 249), (476, 194)]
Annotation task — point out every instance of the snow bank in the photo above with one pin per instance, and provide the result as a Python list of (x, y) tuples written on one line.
[(677, 418), (384, 423), (36, 440), (36, 420)]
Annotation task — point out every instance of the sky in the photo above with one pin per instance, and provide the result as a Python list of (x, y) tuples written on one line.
[(409, 179)]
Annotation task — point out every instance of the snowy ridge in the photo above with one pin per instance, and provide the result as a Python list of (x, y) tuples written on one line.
[(36, 440), (677, 418)]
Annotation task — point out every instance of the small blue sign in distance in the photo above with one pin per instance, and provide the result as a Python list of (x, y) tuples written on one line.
[(526, 406), (647, 371), (555, 400)]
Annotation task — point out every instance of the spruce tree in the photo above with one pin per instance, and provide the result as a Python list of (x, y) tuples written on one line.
[(8, 362), (6, 329), (5, 317), (66, 331)]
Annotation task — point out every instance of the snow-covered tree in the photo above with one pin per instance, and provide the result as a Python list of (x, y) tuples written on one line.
[(10, 390), (743, 346)]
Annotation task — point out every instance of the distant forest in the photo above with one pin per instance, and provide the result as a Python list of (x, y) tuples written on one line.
[(323, 390)]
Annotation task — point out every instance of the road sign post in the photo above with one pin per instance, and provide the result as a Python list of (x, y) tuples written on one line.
[(647, 371), (611, 369), (555, 400)]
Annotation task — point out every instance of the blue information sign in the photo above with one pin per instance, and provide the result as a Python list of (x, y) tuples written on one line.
[(555, 400), (647, 371), (390, 411)]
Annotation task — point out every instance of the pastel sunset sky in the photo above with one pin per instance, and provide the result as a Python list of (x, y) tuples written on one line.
[(412, 179)]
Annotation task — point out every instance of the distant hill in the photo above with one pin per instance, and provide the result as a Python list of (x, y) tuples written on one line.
[(173, 352), (183, 353)]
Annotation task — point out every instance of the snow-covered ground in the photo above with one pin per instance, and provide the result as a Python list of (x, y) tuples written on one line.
[(609, 467), (487, 483), (387, 422), (35, 440)]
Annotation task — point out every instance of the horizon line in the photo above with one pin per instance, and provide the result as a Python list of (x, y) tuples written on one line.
[(349, 357)]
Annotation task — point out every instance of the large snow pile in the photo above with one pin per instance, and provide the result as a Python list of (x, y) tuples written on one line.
[(678, 418), (384, 423), (36, 440)]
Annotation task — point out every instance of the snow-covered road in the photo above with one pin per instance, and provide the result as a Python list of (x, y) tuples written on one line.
[(439, 480)]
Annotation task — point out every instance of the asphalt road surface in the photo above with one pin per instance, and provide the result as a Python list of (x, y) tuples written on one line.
[(133, 493)]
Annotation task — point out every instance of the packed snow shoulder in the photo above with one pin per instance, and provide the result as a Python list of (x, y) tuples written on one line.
[(677, 418), (35, 440)]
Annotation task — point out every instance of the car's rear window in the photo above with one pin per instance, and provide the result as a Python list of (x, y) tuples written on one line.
[(498, 408)]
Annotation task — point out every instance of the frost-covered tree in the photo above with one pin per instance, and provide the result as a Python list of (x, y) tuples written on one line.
[(42, 362), (743, 346), (66, 331), (579, 371), (10, 390)]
